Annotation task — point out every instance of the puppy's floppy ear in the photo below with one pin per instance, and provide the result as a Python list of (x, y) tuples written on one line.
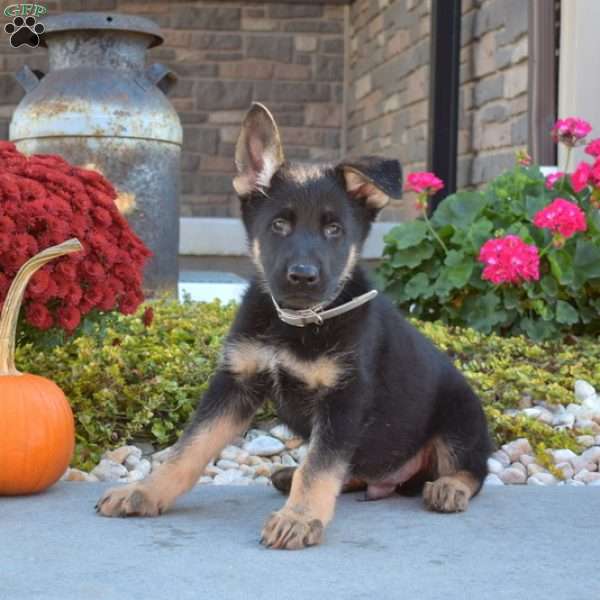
[(258, 152), (373, 179)]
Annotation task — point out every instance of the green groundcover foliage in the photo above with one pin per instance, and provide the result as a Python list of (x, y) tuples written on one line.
[(130, 382)]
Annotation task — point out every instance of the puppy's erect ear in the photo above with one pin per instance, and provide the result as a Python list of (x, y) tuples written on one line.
[(373, 179), (258, 152)]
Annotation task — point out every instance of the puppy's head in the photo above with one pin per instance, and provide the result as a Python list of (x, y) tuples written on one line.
[(306, 224)]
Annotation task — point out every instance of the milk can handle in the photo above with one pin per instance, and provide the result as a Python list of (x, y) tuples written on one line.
[(28, 79), (162, 77)]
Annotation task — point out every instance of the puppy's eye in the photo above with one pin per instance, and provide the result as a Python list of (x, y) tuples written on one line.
[(281, 227), (332, 230)]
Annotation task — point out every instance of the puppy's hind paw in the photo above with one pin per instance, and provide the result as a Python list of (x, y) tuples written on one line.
[(446, 494)]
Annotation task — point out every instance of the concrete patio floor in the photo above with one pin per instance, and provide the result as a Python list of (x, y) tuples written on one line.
[(515, 542)]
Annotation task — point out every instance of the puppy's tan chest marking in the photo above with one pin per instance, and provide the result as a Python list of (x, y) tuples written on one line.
[(245, 359)]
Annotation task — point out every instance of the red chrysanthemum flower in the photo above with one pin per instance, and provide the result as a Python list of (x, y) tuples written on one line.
[(67, 270), (129, 303), (562, 217), (38, 316), (509, 260), (69, 317), (7, 225), (93, 295), (124, 273), (50, 292), (108, 299), (115, 284), (148, 316), (102, 216), (4, 242), (63, 286), (92, 271), (74, 294), (39, 283), (45, 201), (4, 285)]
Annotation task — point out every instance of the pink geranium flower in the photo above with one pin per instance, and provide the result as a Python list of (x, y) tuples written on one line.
[(553, 178), (586, 174), (424, 182), (595, 174), (570, 131), (562, 217), (581, 176), (509, 260), (593, 148)]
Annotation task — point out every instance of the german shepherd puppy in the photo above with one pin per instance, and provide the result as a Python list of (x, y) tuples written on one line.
[(381, 406)]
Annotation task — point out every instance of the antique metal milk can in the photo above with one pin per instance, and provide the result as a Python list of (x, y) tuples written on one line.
[(99, 105)]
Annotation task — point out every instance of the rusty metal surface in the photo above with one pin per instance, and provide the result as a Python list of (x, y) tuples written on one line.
[(99, 105), (102, 21), (97, 86)]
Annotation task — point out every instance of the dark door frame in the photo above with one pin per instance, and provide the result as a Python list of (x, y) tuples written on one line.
[(543, 78), (444, 94)]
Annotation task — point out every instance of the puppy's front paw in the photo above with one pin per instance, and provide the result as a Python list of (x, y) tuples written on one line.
[(129, 500), (446, 494), (286, 530)]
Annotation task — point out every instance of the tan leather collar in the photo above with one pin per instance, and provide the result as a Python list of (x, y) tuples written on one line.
[(316, 315)]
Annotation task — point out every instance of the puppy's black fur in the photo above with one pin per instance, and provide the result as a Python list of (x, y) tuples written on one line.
[(382, 407)]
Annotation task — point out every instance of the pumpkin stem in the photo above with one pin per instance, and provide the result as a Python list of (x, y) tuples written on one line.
[(14, 298)]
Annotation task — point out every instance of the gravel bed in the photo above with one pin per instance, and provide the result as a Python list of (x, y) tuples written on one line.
[(252, 460)]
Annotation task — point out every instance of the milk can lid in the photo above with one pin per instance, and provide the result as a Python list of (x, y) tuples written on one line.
[(109, 21)]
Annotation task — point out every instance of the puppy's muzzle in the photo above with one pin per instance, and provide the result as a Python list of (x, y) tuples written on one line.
[(300, 275)]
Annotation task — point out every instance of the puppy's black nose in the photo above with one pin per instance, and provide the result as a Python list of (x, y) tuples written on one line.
[(303, 274)]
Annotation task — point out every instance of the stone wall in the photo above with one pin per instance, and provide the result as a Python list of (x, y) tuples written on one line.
[(493, 102), (389, 82), (227, 54), (291, 55), (388, 107)]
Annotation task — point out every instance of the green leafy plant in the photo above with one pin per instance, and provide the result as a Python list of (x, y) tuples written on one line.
[(129, 379), (521, 256)]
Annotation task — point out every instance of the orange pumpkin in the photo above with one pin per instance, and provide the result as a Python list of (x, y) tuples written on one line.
[(37, 434)]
